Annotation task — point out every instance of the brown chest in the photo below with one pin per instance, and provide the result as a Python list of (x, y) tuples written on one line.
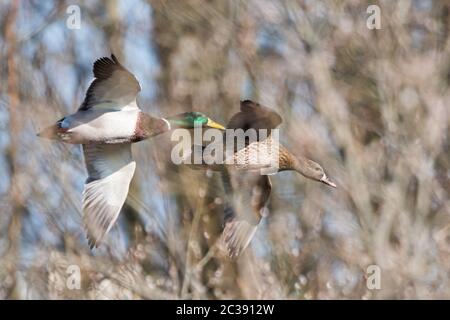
[(148, 126)]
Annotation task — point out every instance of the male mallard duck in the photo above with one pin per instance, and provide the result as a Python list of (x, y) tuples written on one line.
[(106, 124), (238, 172)]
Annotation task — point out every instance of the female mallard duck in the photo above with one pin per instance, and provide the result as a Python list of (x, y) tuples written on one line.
[(238, 172), (106, 124)]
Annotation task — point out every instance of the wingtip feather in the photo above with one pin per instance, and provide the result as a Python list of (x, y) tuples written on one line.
[(237, 236), (114, 58)]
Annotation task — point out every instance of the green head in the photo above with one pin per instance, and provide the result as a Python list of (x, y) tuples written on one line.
[(190, 120)]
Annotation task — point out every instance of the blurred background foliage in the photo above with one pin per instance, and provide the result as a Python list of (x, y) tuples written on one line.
[(371, 106)]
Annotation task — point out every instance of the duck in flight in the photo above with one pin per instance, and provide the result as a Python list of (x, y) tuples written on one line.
[(242, 178), (106, 124)]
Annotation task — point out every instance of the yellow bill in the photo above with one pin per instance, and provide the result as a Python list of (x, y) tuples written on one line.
[(213, 124)]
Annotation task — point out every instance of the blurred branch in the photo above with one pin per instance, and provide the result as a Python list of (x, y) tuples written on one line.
[(15, 194)]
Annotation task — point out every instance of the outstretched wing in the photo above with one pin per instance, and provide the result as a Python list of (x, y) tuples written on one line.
[(113, 86), (241, 224), (255, 116), (110, 168)]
